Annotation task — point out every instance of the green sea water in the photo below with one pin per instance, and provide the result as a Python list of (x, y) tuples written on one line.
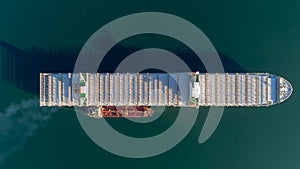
[(261, 36)]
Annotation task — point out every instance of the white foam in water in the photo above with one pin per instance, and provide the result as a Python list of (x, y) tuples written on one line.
[(18, 122)]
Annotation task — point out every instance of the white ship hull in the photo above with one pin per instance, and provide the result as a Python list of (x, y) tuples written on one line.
[(162, 89)]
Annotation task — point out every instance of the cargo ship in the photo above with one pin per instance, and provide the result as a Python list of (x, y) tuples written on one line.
[(114, 95)]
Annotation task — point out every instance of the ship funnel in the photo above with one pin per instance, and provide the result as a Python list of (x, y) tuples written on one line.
[(285, 89)]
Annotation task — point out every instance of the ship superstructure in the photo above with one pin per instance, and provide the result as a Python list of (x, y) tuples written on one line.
[(132, 94)]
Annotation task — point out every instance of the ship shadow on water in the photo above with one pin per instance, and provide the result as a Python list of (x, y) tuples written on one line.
[(21, 67)]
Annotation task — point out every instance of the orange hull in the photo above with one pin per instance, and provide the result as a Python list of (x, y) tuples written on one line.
[(120, 111)]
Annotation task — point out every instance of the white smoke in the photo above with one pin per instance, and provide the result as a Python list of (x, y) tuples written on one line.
[(18, 122)]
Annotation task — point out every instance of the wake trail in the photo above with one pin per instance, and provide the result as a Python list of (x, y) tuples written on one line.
[(18, 122)]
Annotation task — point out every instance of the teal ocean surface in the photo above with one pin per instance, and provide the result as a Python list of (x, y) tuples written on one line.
[(258, 36)]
